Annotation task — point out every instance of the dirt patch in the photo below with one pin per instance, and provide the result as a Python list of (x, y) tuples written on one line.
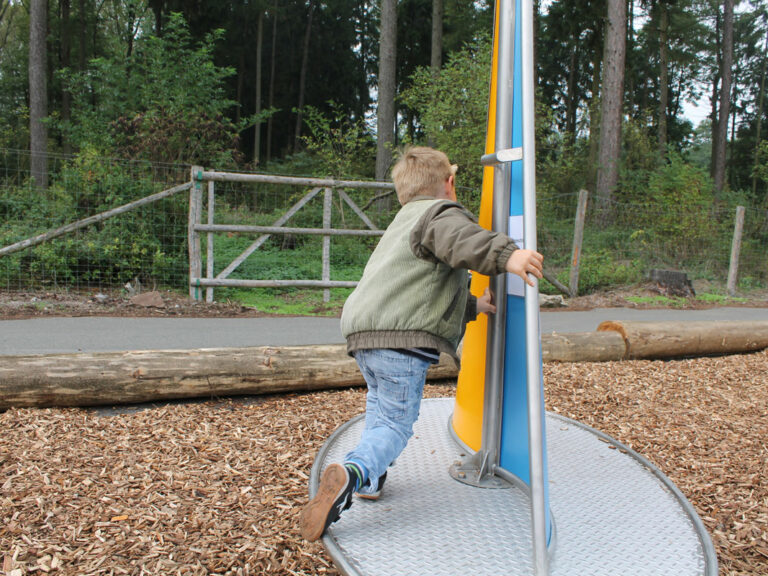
[(33, 304), (21, 305), (216, 487)]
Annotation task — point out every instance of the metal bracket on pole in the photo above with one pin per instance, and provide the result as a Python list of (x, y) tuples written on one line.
[(502, 157), (477, 470)]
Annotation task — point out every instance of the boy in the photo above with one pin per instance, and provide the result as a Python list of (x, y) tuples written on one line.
[(410, 305)]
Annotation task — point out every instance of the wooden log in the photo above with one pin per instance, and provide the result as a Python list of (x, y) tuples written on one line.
[(678, 339), (112, 378), (132, 377), (582, 347)]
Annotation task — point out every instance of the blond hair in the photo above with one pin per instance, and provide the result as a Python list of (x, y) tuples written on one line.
[(420, 171)]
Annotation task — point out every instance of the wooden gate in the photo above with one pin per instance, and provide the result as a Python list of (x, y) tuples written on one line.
[(316, 185)]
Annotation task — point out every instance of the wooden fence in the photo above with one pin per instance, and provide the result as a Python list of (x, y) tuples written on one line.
[(317, 185)]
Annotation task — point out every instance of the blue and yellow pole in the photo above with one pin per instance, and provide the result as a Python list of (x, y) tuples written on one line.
[(499, 406)]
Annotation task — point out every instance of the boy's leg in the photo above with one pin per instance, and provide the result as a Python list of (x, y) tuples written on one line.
[(395, 386)]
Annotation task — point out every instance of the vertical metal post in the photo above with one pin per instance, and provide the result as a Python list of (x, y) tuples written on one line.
[(532, 336), (209, 246), (327, 204), (494, 366)]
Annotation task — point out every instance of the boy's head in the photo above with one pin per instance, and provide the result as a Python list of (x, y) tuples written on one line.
[(422, 171)]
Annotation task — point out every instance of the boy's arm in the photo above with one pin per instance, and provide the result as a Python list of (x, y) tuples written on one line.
[(449, 233)]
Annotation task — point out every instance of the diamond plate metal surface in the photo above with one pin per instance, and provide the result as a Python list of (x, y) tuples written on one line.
[(613, 513)]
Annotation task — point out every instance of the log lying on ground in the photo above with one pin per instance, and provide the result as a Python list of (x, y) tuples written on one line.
[(111, 378), (676, 339), (132, 377)]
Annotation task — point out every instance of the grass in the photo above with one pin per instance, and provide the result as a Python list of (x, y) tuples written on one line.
[(287, 301), (680, 302)]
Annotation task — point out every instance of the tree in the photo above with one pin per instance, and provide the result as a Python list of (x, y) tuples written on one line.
[(612, 103), (303, 75), (387, 82), (719, 148), (38, 92), (759, 114), (455, 120), (663, 76), (436, 54)]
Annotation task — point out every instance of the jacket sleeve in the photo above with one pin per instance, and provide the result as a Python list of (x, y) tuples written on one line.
[(449, 233)]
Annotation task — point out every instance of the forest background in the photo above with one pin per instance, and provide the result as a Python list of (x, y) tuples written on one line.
[(106, 101)]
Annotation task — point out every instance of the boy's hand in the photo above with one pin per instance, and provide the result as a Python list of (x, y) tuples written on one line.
[(485, 303), (524, 262)]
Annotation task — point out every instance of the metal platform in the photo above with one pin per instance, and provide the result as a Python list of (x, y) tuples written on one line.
[(614, 513)]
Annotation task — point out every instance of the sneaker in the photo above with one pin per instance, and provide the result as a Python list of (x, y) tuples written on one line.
[(334, 495), (371, 490)]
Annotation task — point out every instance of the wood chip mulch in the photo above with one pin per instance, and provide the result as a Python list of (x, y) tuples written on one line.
[(216, 487)]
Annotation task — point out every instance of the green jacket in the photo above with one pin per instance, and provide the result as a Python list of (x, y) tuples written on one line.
[(414, 290)]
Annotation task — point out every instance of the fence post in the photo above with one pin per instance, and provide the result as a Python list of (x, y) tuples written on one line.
[(327, 204), (209, 244), (578, 235), (733, 268), (193, 236)]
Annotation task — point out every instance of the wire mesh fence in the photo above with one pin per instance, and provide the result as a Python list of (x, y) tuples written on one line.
[(622, 242)]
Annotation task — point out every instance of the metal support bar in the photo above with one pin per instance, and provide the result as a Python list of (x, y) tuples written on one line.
[(502, 157), (532, 335), (494, 367)]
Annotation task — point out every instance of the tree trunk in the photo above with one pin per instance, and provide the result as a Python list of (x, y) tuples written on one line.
[(663, 76), (82, 29), (38, 92), (760, 112), (612, 105), (715, 90), (385, 125), (436, 59), (303, 77), (66, 56), (725, 93), (594, 122), (272, 65), (257, 126)]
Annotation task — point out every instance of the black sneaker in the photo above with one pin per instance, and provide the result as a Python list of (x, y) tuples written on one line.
[(334, 495), (371, 491)]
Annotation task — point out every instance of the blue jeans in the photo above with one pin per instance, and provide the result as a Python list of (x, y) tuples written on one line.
[(395, 385)]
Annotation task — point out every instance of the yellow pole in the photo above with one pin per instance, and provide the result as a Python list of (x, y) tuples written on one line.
[(468, 411)]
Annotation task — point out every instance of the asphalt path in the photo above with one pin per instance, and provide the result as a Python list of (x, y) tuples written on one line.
[(107, 334)]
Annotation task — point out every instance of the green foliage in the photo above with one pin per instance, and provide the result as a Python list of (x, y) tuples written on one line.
[(761, 166), (143, 243), (164, 102), (453, 108), (600, 270), (342, 146), (677, 200)]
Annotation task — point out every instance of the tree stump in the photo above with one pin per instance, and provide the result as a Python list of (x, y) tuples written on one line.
[(672, 283)]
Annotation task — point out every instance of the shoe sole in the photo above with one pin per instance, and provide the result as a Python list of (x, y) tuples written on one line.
[(368, 496), (314, 515)]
